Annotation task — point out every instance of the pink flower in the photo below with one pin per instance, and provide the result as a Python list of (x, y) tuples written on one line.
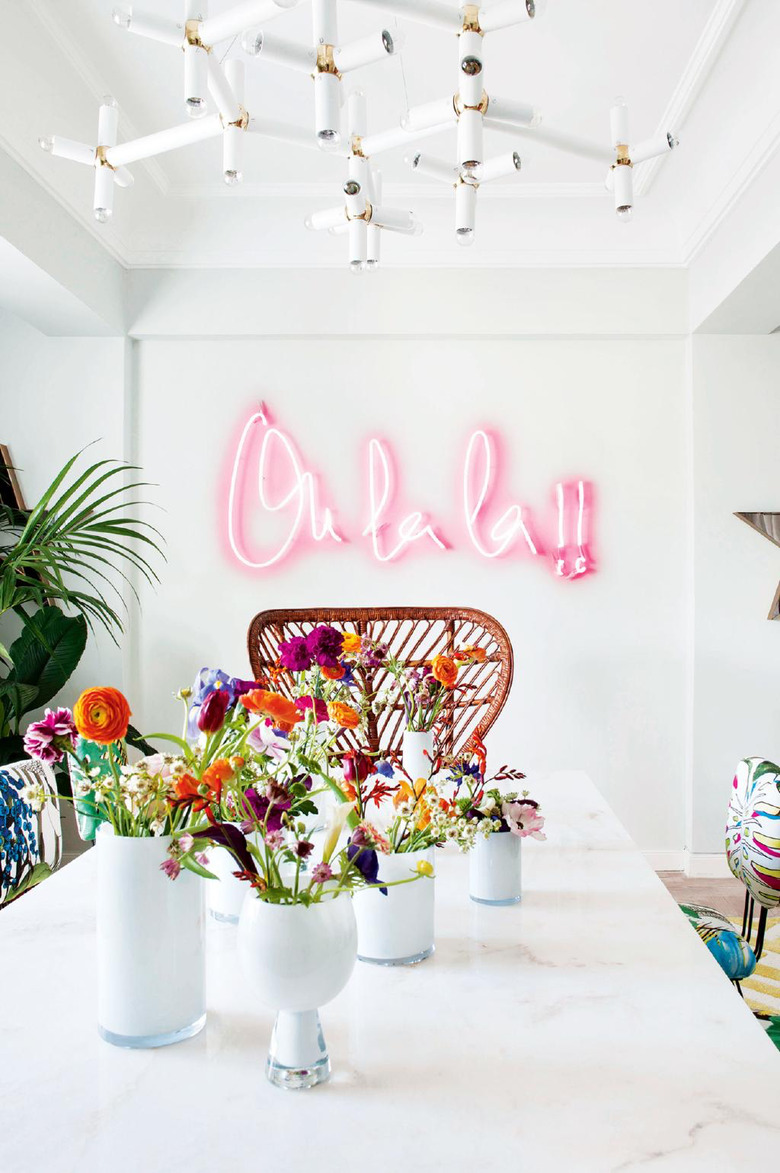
[(202, 859), (316, 703), (48, 738), (171, 867), (186, 842), (274, 839), (321, 873), (523, 819), (264, 739)]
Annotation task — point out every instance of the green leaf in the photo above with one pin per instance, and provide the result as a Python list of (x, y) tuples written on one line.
[(19, 698), (138, 741), (47, 652), (193, 866)]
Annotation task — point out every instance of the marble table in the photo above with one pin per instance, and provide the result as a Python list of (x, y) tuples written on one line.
[(586, 1030)]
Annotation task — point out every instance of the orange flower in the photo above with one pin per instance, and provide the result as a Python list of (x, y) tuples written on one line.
[(188, 790), (216, 774), (333, 673), (101, 715), (475, 654), (343, 715), (444, 670), (283, 712), (407, 793), (351, 642)]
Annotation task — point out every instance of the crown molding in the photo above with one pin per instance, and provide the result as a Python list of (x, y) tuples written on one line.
[(57, 29), (687, 90)]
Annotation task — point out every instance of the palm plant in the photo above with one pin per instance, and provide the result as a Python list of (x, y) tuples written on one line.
[(61, 554)]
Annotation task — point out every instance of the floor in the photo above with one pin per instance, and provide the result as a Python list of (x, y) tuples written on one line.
[(728, 896)]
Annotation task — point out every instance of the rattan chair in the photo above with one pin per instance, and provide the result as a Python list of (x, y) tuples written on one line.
[(414, 635)]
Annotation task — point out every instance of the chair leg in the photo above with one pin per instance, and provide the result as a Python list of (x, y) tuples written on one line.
[(738, 986), (761, 930), (745, 915)]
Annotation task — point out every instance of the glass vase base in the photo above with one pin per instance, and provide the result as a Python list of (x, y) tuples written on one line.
[(146, 1041), (294, 1079), (496, 903), (224, 918), (415, 959)]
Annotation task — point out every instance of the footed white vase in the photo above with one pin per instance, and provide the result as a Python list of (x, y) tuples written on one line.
[(413, 753), (397, 929), (297, 958), (494, 869), (150, 945)]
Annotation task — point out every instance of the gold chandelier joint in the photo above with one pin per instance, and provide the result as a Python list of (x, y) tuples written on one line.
[(366, 214), (460, 106), (623, 157), (471, 19), (101, 160), (192, 35), (325, 60), (356, 146), (242, 122)]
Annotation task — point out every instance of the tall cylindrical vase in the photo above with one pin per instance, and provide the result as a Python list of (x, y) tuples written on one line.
[(150, 944), (494, 869), (397, 929), (417, 753), (226, 894), (298, 959)]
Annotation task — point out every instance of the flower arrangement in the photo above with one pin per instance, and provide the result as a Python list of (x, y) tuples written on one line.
[(480, 806)]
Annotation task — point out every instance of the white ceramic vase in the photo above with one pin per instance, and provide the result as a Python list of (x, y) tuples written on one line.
[(397, 929), (297, 959), (413, 753), (150, 944), (494, 869), (226, 894)]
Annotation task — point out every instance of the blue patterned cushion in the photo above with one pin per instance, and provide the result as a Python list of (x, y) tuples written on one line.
[(729, 948)]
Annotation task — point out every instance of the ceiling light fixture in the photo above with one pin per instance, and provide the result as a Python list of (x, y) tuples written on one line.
[(360, 215)]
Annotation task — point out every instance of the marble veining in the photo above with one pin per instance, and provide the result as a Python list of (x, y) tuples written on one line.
[(585, 1030)]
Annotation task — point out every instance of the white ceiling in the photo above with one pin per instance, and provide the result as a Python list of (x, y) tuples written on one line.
[(58, 58)]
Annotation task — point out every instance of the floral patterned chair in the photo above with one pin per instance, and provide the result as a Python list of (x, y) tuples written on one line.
[(30, 842)]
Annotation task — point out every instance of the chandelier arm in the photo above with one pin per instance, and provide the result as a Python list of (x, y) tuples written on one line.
[(165, 140), (287, 133), (222, 92), (327, 218), (365, 51), (394, 220), (433, 168), (506, 13), (149, 25), (398, 136), (123, 177), (280, 51), (437, 113), (652, 148), (68, 148), (569, 143), (500, 166), (512, 112), (431, 12), (241, 17)]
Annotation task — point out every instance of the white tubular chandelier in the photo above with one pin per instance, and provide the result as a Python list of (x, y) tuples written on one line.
[(362, 216), (215, 100)]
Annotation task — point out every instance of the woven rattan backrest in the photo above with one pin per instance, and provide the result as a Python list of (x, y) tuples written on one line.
[(414, 635)]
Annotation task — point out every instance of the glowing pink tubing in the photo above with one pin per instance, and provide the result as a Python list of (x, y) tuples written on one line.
[(277, 459)]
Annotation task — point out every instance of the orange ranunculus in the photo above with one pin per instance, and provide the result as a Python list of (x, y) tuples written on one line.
[(444, 670), (351, 642), (333, 673), (101, 715), (217, 773), (471, 652), (283, 712), (343, 715)]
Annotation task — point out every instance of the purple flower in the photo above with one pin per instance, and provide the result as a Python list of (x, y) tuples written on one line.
[(171, 867), (294, 654), (385, 769), (373, 655), (207, 682), (267, 812), (47, 739), (303, 848), (324, 645), (316, 703), (211, 714), (267, 740), (321, 873), (365, 859)]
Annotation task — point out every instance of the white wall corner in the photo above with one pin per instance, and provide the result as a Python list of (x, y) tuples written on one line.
[(702, 865), (665, 861)]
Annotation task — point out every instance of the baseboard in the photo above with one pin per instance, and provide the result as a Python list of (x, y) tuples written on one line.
[(701, 865), (665, 861)]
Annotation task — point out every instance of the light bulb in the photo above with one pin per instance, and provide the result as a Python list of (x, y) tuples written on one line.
[(46, 144), (624, 213), (123, 15), (372, 263), (109, 100), (357, 267), (672, 141), (196, 107), (470, 172), (352, 187), (464, 236), (232, 177), (387, 42), (252, 42), (329, 138), (530, 7), (102, 215), (471, 66)]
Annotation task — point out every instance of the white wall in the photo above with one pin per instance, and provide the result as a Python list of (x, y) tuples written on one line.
[(56, 395), (736, 702), (600, 662)]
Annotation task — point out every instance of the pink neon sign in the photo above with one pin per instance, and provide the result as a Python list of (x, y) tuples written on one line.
[(268, 475)]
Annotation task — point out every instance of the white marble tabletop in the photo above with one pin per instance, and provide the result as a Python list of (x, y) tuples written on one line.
[(586, 1030)]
